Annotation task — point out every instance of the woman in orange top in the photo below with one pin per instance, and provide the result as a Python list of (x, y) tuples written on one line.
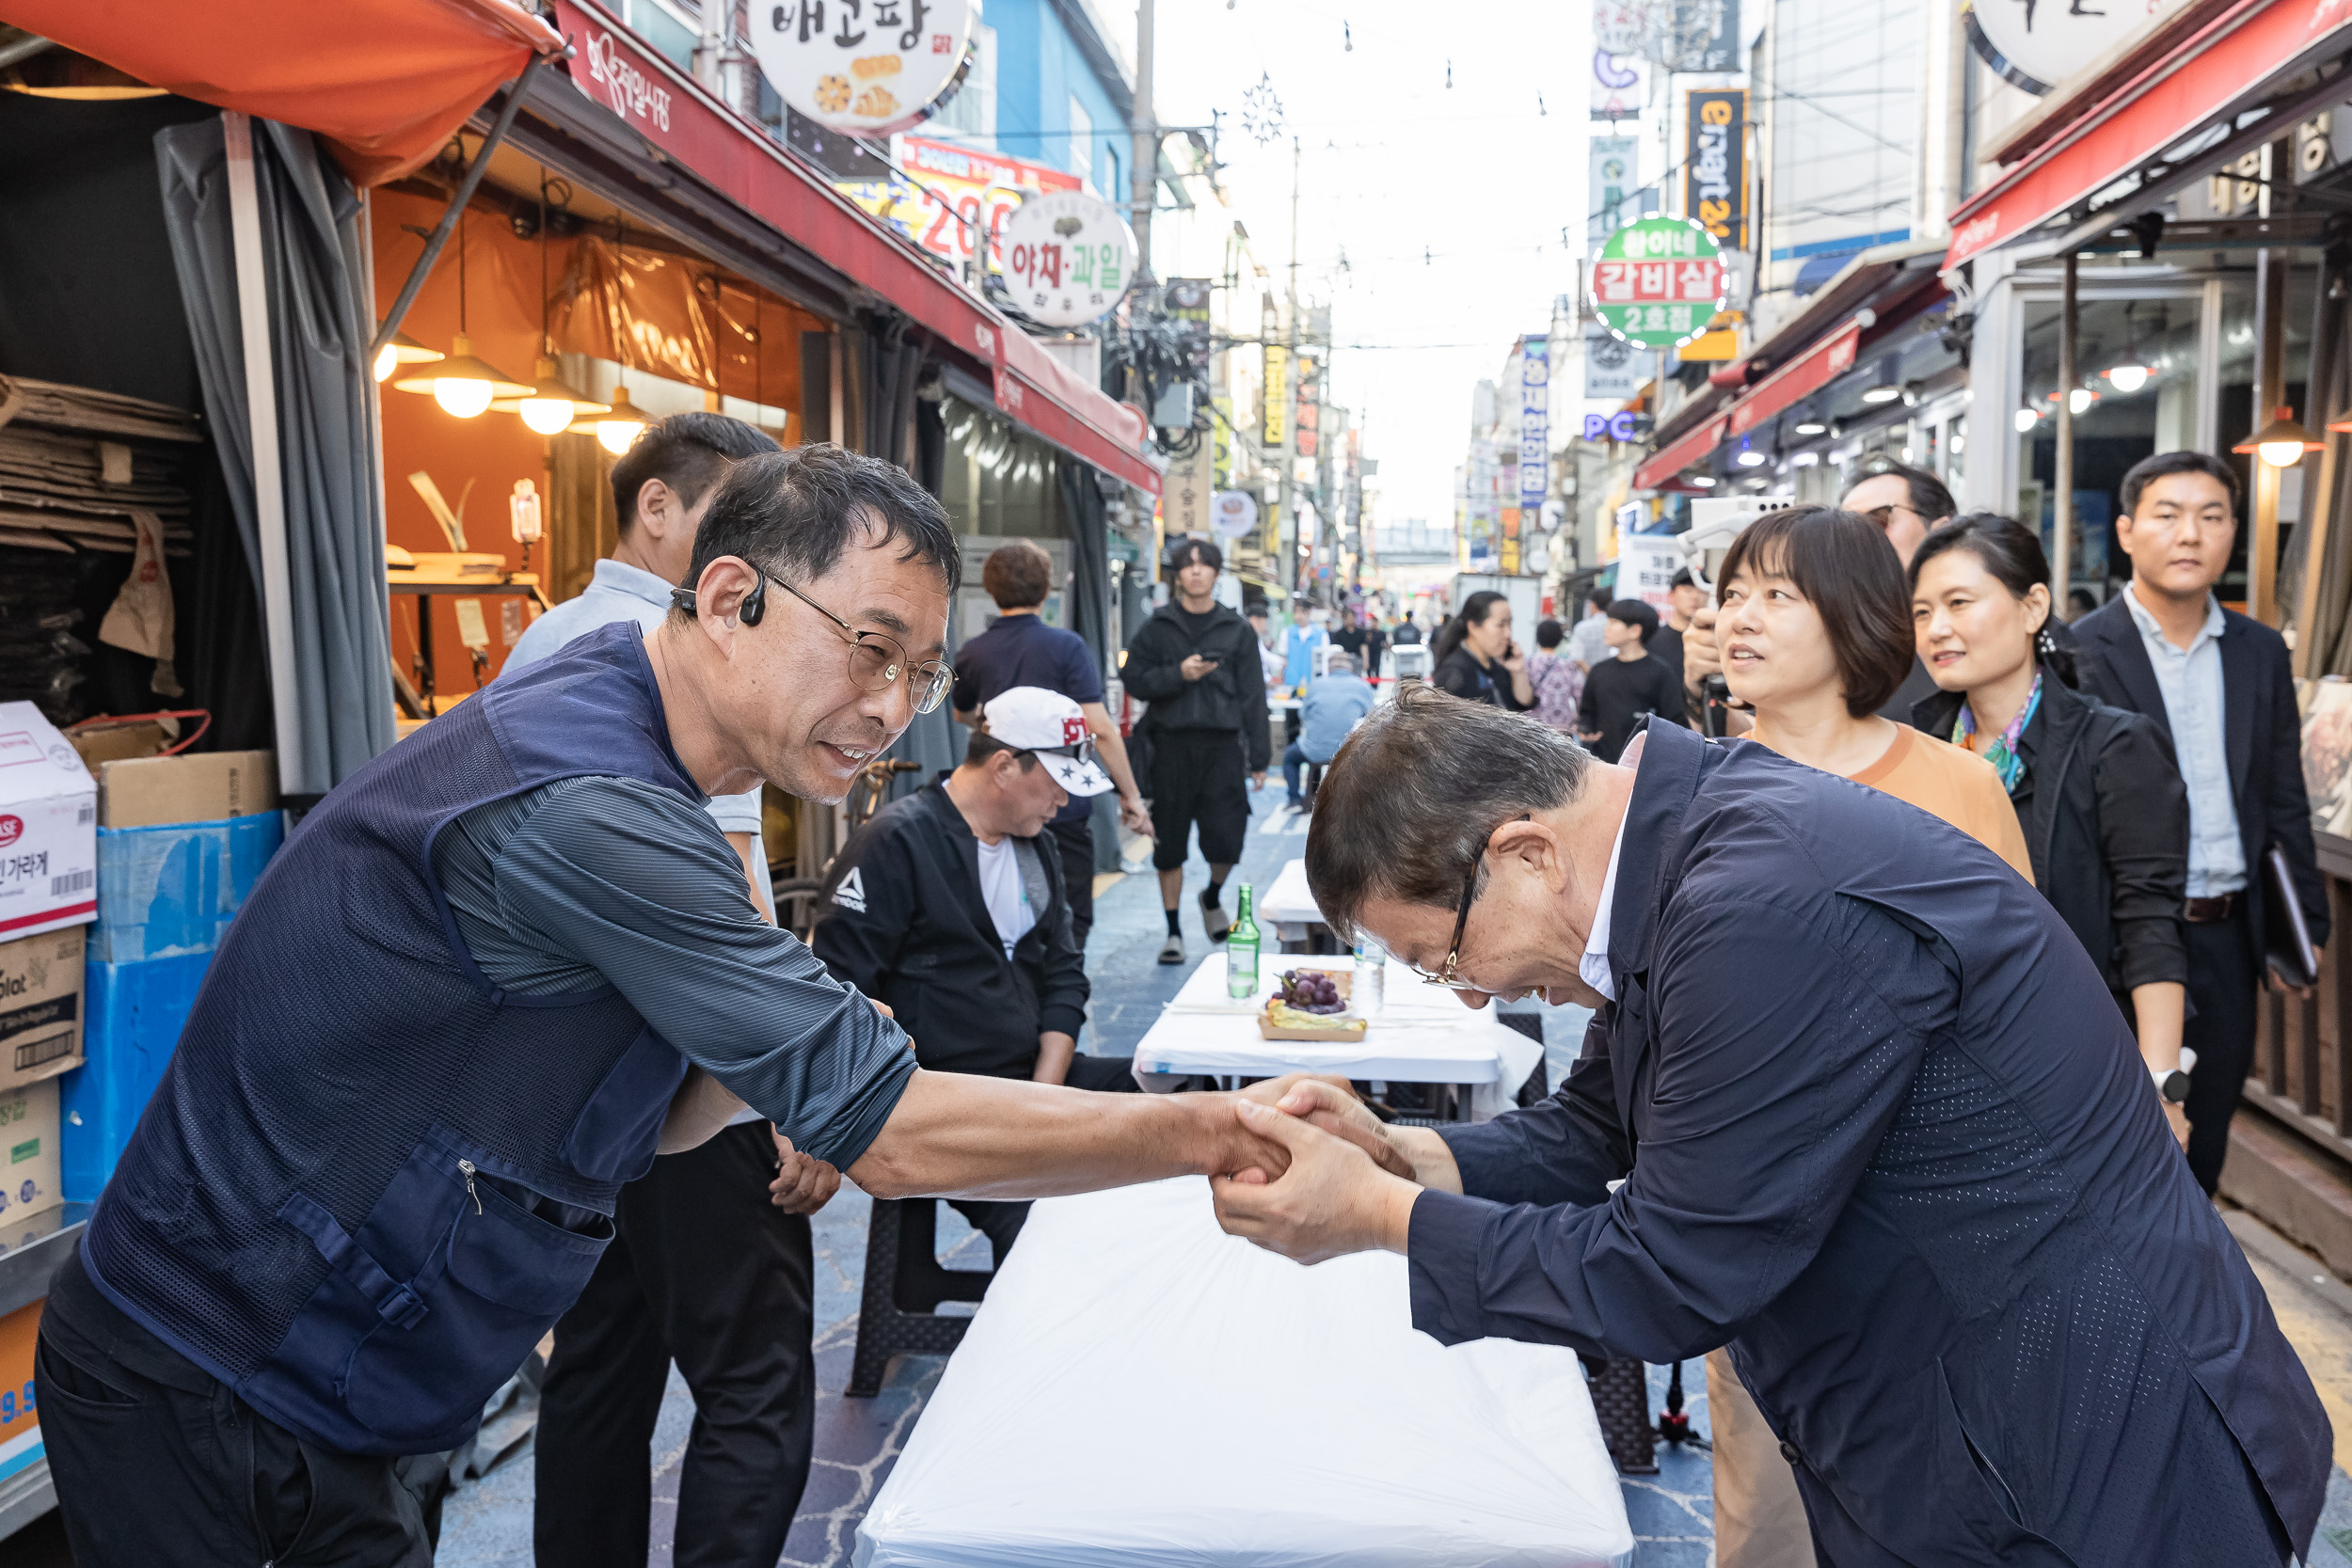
[(1813, 618)]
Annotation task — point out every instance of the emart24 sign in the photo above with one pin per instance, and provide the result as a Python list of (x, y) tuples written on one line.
[(1658, 283)]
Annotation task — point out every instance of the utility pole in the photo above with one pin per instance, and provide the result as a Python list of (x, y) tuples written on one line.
[(1143, 180), (1285, 515)]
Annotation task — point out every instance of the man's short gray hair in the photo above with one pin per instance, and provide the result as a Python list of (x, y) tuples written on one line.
[(1416, 792)]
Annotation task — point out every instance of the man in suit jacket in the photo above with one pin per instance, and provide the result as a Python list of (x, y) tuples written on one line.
[(2220, 684), (1854, 1102)]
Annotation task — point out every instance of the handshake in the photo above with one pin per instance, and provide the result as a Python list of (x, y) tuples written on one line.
[(1334, 1178)]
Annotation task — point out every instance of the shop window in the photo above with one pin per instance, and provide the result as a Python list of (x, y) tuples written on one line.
[(670, 36), (999, 480), (1081, 143), (2136, 391)]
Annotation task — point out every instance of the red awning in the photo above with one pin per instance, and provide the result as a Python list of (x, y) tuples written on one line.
[(1663, 465), (385, 82), (1800, 378), (2220, 68), (695, 133)]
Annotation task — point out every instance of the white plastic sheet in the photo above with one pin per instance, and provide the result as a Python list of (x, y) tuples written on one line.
[(1142, 1390)]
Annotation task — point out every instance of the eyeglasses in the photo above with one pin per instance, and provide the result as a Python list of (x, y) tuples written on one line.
[(1449, 974), (1884, 515), (876, 661)]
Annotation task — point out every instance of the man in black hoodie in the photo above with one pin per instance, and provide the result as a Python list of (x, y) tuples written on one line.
[(1196, 662)]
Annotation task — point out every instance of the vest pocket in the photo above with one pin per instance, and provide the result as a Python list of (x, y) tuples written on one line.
[(620, 1127), (438, 1296)]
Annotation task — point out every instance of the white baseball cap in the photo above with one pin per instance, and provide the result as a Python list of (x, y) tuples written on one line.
[(1053, 728)]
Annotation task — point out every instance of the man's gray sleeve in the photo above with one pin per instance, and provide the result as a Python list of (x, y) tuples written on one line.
[(638, 883)]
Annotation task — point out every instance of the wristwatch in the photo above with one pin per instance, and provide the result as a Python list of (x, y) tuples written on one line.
[(2172, 1083)]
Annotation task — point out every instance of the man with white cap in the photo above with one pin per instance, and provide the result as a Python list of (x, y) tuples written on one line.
[(949, 907)]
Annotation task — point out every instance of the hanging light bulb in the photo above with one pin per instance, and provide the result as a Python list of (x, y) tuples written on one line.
[(2128, 379), (1886, 391), (461, 384), (1812, 424), (2080, 399), (2026, 419), (620, 424), (403, 350), (553, 405), (1749, 457), (2282, 442)]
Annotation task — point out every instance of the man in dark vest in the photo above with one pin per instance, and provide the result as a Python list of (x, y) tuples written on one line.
[(460, 1011)]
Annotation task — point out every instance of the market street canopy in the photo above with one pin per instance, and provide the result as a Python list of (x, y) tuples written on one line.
[(385, 83)]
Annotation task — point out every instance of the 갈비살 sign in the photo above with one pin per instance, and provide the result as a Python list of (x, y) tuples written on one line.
[(874, 66), (1068, 257), (1659, 281)]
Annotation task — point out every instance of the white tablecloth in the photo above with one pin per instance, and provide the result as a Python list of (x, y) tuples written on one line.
[(1421, 1035), (1288, 902), (1142, 1390)]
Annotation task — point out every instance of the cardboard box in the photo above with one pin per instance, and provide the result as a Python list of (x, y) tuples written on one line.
[(113, 742), (173, 889), (19, 1417), (42, 1008), (146, 792), (31, 1179), (48, 828)]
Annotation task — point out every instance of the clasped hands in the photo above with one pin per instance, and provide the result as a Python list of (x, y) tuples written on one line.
[(1350, 1180)]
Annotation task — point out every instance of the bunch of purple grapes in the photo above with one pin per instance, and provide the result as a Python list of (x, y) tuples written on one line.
[(1310, 991)]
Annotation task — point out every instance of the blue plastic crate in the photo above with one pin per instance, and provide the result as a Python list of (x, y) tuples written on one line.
[(134, 1015), (172, 890)]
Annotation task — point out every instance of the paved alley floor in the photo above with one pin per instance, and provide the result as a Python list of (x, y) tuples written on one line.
[(487, 1523)]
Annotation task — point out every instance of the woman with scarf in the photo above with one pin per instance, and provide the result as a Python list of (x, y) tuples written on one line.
[(2095, 788)]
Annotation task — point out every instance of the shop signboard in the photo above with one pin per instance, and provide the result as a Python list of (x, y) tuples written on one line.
[(1614, 197), (1221, 438), (1309, 414), (866, 66), (952, 197), (1185, 302), (1610, 373), (1715, 172), (1186, 494), (1275, 398), (1535, 424), (1658, 283), (1233, 513), (1620, 83), (1068, 258), (1646, 564), (2037, 46)]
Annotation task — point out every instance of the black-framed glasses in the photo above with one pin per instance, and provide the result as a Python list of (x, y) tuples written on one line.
[(1449, 974), (876, 659)]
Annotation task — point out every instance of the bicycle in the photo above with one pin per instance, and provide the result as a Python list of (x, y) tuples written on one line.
[(870, 792)]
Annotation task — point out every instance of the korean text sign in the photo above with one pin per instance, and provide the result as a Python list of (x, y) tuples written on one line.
[(1535, 424), (1658, 283)]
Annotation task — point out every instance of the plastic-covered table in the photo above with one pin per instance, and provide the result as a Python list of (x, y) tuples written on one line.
[(1421, 1035), (1142, 1390), (1290, 908)]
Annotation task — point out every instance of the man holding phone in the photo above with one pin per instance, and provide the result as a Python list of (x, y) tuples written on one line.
[(1196, 662)]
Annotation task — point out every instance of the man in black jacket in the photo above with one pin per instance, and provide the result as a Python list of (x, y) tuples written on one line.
[(2222, 688), (949, 909), (1196, 662)]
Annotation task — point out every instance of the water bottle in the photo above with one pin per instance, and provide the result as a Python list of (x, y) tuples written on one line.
[(1241, 951), (1368, 991)]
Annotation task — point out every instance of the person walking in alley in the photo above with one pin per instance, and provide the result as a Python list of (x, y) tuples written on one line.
[(1196, 662)]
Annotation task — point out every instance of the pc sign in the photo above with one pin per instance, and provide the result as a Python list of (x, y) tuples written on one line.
[(1658, 283)]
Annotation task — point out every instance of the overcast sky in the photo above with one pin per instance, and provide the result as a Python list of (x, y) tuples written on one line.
[(1447, 203)]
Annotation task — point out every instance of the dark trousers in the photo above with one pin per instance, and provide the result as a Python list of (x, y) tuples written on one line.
[(155, 1461), (2222, 977), (1078, 874), (1001, 1222), (705, 1272)]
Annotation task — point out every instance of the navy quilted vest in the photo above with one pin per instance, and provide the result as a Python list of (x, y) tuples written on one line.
[(371, 1179)]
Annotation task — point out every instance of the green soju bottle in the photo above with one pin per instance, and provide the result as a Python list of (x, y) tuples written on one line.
[(1241, 951)]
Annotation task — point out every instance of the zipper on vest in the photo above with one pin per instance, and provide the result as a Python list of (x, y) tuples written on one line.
[(465, 1168)]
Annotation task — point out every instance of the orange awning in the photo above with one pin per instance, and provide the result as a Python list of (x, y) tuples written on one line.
[(385, 82)]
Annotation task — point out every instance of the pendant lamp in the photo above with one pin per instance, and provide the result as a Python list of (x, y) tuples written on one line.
[(551, 404), (461, 384), (2281, 443), (615, 428), (403, 350)]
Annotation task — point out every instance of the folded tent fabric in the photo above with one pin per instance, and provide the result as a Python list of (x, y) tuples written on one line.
[(385, 82)]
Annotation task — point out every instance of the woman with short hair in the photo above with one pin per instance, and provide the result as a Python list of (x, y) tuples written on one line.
[(2096, 789)]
